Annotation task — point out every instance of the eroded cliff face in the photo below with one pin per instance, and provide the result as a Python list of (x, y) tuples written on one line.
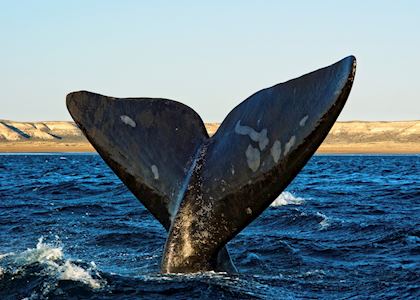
[(372, 132), (344, 137), (11, 131)]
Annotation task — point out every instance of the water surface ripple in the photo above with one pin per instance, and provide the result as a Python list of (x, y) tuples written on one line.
[(347, 226)]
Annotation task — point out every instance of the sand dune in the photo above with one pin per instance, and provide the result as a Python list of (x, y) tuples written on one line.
[(344, 137)]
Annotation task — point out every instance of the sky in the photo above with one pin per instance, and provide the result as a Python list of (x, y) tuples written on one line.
[(209, 55)]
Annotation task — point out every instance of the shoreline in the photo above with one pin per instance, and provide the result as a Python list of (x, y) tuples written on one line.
[(350, 137), (326, 148)]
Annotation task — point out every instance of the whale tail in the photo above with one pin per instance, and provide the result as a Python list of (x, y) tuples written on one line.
[(204, 190)]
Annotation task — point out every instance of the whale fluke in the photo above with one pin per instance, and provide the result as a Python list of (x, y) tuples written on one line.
[(150, 144), (203, 190)]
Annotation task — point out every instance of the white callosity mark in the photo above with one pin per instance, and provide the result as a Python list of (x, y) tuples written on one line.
[(289, 145), (276, 151), (128, 121), (253, 158), (302, 122), (249, 211), (155, 172), (260, 137)]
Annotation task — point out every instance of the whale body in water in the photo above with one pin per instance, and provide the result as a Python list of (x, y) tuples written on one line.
[(205, 190)]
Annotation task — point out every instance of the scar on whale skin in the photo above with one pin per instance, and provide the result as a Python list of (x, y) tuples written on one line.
[(128, 121), (155, 172), (302, 122), (276, 151), (252, 158), (260, 137), (289, 145)]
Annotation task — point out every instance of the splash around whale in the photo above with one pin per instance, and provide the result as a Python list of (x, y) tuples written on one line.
[(205, 190)]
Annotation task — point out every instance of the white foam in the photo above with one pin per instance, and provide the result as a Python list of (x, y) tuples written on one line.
[(324, 224), (43, 253), (69, 271), (52, 258), (128, 121), (4, 255), (287, 198)]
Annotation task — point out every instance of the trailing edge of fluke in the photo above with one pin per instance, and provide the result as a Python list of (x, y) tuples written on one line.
[(204, 190)]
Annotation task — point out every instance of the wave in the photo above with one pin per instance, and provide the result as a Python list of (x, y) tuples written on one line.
[(43, 273), (287, 198), (43, 268), (325, 222)]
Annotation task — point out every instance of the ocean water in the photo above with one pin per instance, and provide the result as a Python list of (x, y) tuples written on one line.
[(346, 227)]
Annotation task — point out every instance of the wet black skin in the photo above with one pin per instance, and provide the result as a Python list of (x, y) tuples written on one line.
[(207, 190)]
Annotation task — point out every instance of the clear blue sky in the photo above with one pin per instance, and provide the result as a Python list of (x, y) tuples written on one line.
[(208, 56)]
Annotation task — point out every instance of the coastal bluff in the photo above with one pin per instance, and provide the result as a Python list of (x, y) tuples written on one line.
[(344, 137)]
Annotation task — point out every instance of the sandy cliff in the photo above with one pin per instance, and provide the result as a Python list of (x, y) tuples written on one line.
[(374, 137), (344, 137), (57, 136)]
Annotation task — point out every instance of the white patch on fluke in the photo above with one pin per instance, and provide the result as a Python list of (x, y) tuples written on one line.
[(128, 121), (252, 158), (276, 151), (260, 137), (289, 145), (155, 172), (303, 121)]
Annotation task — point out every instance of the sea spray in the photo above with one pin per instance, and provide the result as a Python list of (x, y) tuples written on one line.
[(49, 259), (324, 223), (287, 198)]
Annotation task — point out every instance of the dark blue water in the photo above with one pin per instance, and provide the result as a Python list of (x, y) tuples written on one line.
[(347, 227)]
